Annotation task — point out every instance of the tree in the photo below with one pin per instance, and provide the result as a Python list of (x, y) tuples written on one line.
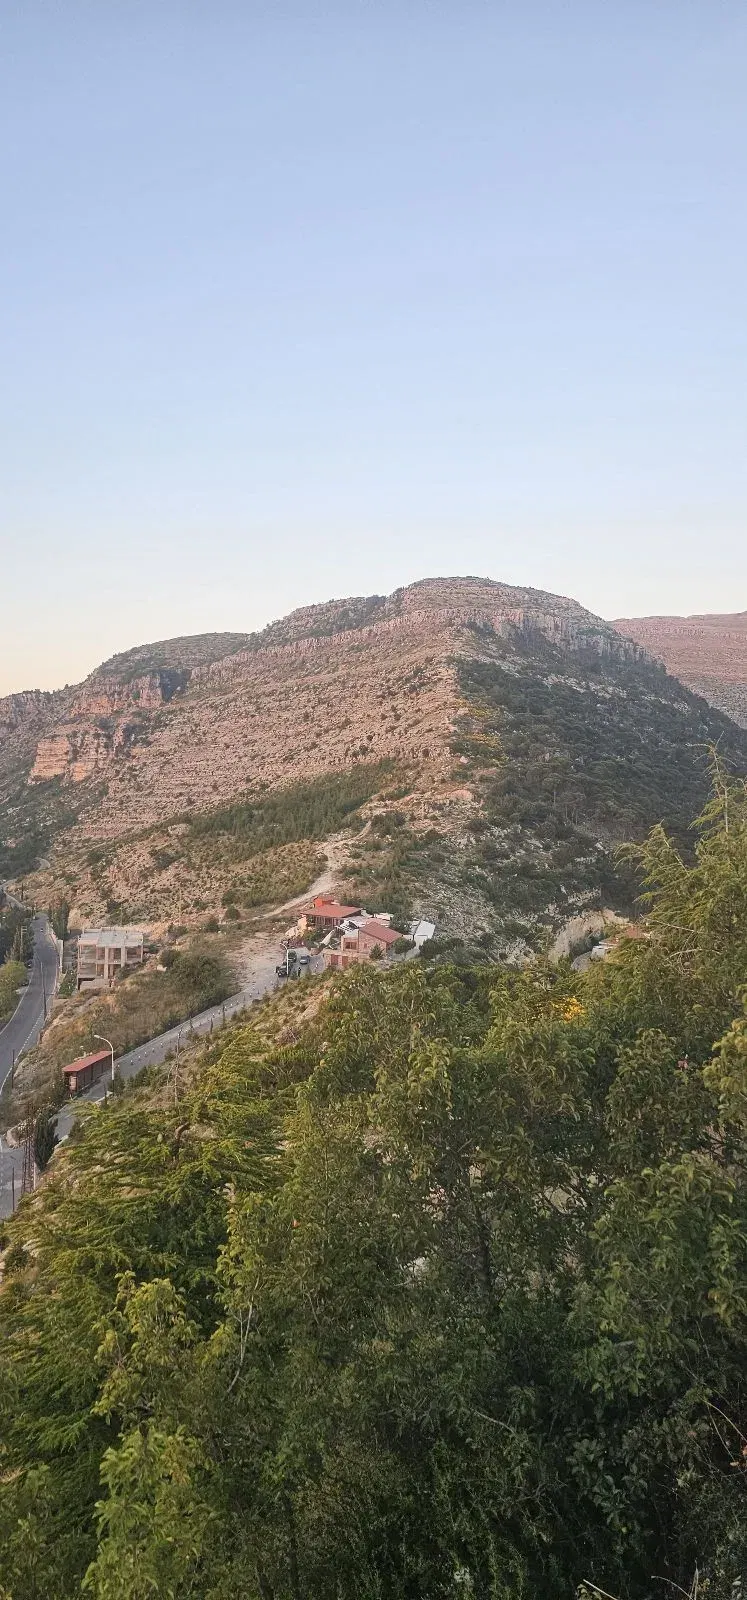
[(45, 1137), (439, 1291)]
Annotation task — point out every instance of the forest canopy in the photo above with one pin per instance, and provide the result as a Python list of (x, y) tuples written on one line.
[(441, 1294)]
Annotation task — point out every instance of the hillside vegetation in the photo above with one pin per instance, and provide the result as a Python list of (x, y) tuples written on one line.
[(440, 1292), (260, 850), (569, 757)]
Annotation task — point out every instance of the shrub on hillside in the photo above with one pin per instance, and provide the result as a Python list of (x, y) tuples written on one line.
[(12, 975)]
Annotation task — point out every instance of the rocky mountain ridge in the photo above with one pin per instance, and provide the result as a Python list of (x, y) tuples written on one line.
[(84, 731), (525, 735), (706, 652)]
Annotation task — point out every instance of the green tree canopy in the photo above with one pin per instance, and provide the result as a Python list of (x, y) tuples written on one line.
[(440, 1293)]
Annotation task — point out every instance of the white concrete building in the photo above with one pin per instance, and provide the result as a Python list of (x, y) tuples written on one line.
[(103, 952)]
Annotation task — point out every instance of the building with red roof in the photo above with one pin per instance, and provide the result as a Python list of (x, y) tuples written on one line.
[(358, 943), (80, 1075), (328, 914)]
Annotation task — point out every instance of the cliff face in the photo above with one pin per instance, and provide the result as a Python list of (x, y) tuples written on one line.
[(106, 696), (102, 722), (77, 752), (708, 653)]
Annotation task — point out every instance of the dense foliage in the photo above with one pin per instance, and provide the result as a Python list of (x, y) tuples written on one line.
[(441, 1294), (274, 876), (309, 810), (31, 816), (16, 933), (12, 975)]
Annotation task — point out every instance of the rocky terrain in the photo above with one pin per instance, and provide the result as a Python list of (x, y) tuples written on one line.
[(513, 739), (708, 653)]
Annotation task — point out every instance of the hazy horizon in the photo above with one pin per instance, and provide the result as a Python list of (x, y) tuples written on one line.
[(309, 305)]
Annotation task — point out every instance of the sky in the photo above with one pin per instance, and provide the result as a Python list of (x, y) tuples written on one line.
[(318, 299)]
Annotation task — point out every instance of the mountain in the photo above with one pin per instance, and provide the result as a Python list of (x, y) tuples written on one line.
[(708, 653), (498, 743)]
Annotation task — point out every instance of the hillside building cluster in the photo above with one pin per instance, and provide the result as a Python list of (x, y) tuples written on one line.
[(353, 935)]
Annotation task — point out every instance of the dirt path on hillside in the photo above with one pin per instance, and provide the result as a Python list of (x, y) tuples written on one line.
[(335, 848)]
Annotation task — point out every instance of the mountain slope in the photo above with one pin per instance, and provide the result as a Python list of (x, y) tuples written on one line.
[(512, 738), (708, 653)]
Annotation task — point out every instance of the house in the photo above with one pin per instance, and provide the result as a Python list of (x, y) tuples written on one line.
[(328, 914), (357, 941), (81, 1074), (420, 931), (103, 952)]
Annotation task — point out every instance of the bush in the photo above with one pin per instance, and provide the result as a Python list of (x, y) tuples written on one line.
[(162, 859), (12, 975), (45, 1138)]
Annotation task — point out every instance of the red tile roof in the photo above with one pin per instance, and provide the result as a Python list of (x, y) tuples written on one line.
[(380, 932), (330, 908), (88, 1061)]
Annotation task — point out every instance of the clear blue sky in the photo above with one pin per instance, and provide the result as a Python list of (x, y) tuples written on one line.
[(318, 299)]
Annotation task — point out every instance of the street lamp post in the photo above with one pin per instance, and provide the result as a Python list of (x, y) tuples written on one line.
[(102, 1040)]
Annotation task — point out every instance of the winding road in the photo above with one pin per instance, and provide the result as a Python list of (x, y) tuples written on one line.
[(21, 1033), (25, 1025)]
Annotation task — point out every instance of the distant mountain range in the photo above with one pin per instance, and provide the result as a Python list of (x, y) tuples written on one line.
[(708, 653), (506, 740)]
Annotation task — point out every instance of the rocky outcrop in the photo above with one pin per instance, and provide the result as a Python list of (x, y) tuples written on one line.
[(307, 692), (445, 680), (27, 707), (448, 603), (80, 751), (182, 724), (106, 696)]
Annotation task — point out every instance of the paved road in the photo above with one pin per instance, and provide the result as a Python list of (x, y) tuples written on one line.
[(155, 1051), (24, 1027), (21, 1033), (261, 980)]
